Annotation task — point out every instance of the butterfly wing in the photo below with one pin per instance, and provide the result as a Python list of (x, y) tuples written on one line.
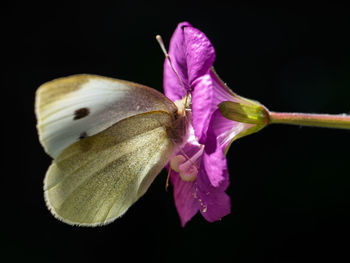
[(71, 108), (95, 180)]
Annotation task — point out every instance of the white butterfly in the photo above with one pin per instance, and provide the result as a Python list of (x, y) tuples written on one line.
[(109, 139)]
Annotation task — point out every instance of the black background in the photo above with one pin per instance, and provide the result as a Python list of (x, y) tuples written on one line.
[(289, 185)]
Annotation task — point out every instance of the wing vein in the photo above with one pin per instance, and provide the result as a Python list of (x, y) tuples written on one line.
[(138, 172)]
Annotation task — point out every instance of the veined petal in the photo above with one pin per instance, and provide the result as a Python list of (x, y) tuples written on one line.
[(220, 91), (192, 55), (215, 205), (207, 192), (208, 92), (200, 53), (202, 106), (184, 192), (214, 202), (226, 130), (177, 52), (186, 205), (214, 165)]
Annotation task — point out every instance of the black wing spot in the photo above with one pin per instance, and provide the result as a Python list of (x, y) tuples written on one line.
[(81, 113), (83, 135)]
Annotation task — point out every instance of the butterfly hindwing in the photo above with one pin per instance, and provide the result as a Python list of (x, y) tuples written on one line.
[(95, 180), (72, 108)]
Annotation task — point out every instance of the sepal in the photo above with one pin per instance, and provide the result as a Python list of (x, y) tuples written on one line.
[(246, 111)]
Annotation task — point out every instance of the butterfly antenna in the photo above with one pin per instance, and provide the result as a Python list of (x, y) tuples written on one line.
[(162, 46)]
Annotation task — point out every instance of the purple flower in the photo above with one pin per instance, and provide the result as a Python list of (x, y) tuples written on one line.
[(199, 171)]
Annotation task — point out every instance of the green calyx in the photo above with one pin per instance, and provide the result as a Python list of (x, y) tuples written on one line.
[(245, 111)]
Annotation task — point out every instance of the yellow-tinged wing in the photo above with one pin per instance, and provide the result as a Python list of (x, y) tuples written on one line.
[(95, 180), (71, 108)]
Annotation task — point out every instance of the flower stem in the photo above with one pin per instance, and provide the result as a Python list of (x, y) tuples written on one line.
[(340, 121)]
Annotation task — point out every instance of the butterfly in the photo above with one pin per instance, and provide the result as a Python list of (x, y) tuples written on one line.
[(109, 139)]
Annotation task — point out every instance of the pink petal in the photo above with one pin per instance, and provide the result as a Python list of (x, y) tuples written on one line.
[(177, 52), (200, 53), (208, 92), (202, 106), (215, 203), (192, 55), (226, 130), (187, 206), (207, 192), (220, 91), (214, 162), (213, 180), (184, 192)]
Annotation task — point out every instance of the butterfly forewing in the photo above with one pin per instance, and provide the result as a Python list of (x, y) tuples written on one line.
[(72, 108), (95, 180)]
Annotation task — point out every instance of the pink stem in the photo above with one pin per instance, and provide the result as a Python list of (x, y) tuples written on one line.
[(341, 121)]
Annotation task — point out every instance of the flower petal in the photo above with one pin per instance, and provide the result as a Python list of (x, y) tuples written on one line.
[(187, 206), (212, 181), (207, 192), (202, 106), (208, 92), (214, 163), (220, 91), (184, 192), (192, 55), (177, 52), (200, 53), (216, 205), (226, 130)]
